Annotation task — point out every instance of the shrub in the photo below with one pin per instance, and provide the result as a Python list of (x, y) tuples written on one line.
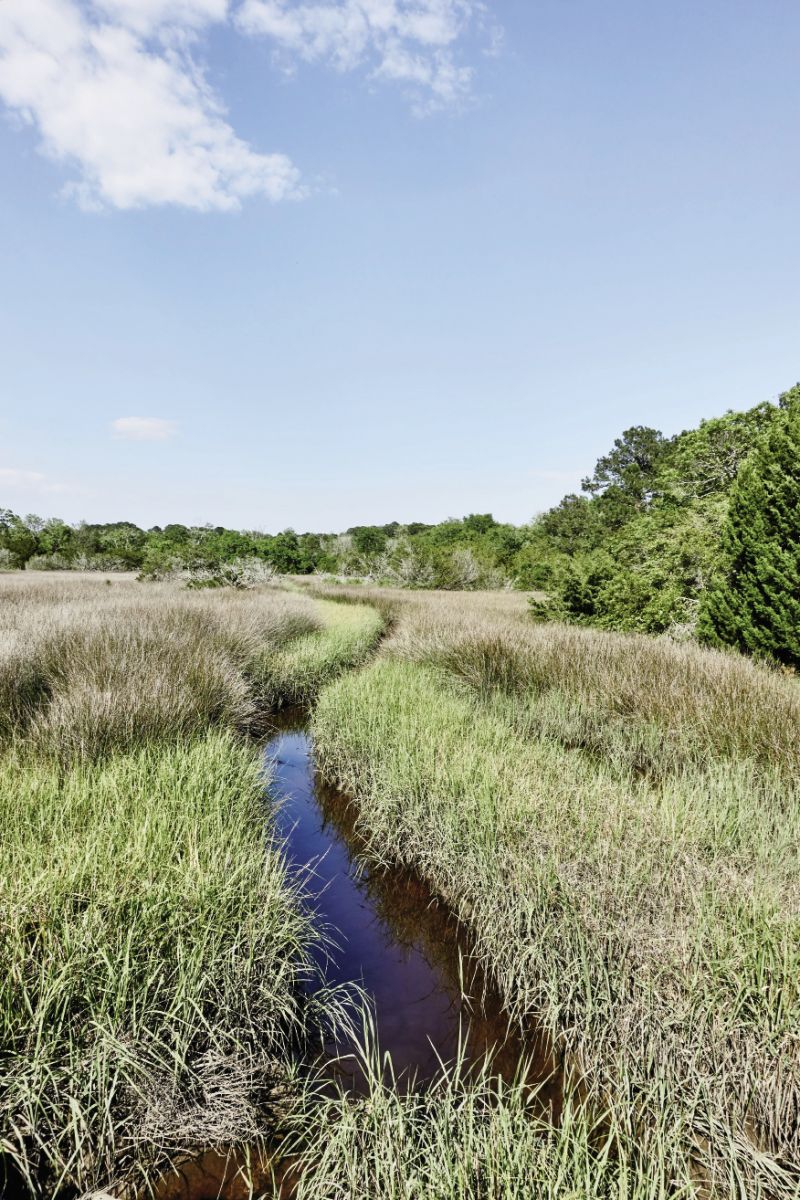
[(49, 562)]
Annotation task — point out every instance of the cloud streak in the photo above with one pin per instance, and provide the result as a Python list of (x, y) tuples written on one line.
[(30, 481), (404, 41), (144, 429)]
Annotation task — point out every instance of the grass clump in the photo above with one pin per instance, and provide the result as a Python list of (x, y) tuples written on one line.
[(642, 703), (86, 669), (653, 922), (460, 1140), (296, 673), (151, 954)]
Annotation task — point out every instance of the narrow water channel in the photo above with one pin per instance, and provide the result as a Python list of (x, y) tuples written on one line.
[(412, 958)]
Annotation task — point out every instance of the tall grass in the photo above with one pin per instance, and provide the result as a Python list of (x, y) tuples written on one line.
[(153, 948), (86, 668), (151, 958), (297, 671), (652, 916), (645, 703), (461, 1139), (616, 818)]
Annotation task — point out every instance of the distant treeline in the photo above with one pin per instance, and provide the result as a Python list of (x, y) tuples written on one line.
[(476, 551), (663, 534)]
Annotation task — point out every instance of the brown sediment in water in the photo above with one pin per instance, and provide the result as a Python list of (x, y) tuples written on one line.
[(233, 1174)]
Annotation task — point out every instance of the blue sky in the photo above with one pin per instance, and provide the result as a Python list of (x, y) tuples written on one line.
[(268, 263)]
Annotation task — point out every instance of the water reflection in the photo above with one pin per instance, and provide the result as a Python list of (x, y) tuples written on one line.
[(412, 957)]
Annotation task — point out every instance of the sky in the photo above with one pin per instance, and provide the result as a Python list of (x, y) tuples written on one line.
[(269, 264)]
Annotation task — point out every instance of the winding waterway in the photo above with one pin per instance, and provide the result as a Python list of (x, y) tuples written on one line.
[(412, 958)]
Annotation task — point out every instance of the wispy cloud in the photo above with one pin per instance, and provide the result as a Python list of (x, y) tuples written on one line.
[(30, 481), (144, 429), (114, 91), (406, 41), (118, 94)]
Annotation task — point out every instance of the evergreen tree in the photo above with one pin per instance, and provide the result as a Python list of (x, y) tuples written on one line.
[(755, 604)]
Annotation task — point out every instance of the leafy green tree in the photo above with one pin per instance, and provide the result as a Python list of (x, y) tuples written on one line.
[(631, 465), (755, 603), (500, 545), (19, 537), (124, 542), (178, 535), (573, 526), (368, 539), (285, 553), (446, 533), (707, 459), (57, 537), (479, 522)]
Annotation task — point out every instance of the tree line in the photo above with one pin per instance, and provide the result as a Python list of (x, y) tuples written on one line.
[(695, 535), (473, 551)]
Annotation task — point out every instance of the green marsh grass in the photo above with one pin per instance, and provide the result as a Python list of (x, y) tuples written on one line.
[(616, 818), (295, 674), (649, 910), (154, 949), (464, 1140), (151, 957)]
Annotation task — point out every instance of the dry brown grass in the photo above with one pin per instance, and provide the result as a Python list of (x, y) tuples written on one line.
[(87, 666), (647, 703), (650, 704)]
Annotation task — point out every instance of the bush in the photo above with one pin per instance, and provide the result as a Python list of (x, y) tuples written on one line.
[(49, 562), (241, 573)]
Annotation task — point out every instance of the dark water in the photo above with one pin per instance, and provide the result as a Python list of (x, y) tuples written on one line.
[(411, 956)]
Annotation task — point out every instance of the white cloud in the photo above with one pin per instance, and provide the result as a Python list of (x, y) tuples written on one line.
[(147, 16), (116, 93), (406, 41), (135, 116), (144, 429)]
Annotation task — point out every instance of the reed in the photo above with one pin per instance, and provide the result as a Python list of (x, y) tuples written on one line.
[(468, 1136)]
